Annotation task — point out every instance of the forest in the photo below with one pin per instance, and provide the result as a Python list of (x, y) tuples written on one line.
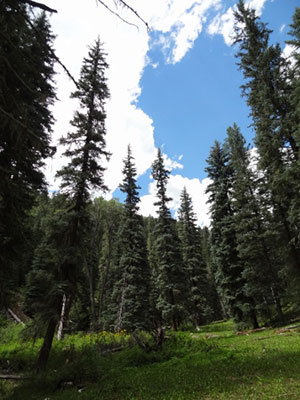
[(72, 264)]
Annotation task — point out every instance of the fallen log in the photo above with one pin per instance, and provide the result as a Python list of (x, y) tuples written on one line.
[(12, 377)]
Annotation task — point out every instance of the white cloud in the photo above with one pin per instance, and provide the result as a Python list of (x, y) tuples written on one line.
[(288, 52), (171, 164), (180, 22), (223, 23), (282, 28), (196, 190)]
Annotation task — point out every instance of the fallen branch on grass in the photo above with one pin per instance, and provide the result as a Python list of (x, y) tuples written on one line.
[(12, 377)]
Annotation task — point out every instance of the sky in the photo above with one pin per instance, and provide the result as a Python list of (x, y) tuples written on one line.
[(176, 87)]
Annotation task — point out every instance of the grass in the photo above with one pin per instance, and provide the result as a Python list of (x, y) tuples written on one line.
[(214, 363)]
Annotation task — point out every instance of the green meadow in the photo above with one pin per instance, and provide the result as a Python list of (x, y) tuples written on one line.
[(214, 363)]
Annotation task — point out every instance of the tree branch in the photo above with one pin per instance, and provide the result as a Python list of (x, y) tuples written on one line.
[(116, 14), (135, 13), (38, 5)]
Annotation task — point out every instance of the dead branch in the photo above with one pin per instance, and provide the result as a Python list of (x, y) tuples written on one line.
[(135, 13), (12, 377), (38, 5), (117, 15)]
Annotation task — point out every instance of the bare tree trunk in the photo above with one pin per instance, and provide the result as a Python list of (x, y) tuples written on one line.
[(59, 334)]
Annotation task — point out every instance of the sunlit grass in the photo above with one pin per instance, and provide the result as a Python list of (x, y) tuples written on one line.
[(214, 363)]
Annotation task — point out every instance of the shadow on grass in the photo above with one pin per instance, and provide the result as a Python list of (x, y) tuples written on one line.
[(184, 370), (196, 376)]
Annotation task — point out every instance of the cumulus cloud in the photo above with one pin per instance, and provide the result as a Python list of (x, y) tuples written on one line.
[(223, 22), (180, 22)]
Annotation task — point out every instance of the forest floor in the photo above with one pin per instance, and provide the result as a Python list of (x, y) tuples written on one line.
[(214, 363)]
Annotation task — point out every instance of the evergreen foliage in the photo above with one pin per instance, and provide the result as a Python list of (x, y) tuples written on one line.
[(267, 89), (26, 92), (133, 288), (85, 148), (197, 284), (229, 269), (168, 275), (253, 224)]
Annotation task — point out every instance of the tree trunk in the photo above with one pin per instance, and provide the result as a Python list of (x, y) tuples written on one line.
[(160, 336), (92, 299), (59, 335), (47, 344), (277, 304), (254, 319)]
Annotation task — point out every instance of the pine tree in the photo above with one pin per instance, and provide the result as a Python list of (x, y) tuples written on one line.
[(294, 117), (252, 221), (133, 288), (109, 272), (229, 270), (168, 275), (26, 92), (192, 260), (84, 172), (267, 90)]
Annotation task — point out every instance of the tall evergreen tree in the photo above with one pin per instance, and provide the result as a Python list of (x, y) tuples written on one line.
[(133, 288), (168, 275), (229, 270), (109, 272), (294, 117), (252, 221), (267, 89), (192, 260), (26, 92), (84, 172)]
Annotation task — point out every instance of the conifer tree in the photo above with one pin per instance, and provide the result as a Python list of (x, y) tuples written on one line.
[(84, 172), (294, 117), (192, 259), (133, 288), (267, 89), (229, 270), (252, 221), (168, 275), (109, 272), (26, 92)]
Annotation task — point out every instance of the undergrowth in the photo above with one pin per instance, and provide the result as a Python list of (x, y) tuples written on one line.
[(214, 363)]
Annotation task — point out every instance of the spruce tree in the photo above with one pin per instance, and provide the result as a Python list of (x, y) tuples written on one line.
[(192, 260), (294, 117), (109, 272), (267, 89), (252, 221), (84, 172), (229, 269), (168, 276), (26, 94), (133, 289)]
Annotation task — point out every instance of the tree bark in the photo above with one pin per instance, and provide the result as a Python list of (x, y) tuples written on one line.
[(47, 344), (59, 335)]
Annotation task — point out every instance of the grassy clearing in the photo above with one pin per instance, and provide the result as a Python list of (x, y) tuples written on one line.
[(214, 363)]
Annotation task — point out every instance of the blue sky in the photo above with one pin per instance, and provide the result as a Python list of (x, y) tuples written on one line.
[(176, 88)]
